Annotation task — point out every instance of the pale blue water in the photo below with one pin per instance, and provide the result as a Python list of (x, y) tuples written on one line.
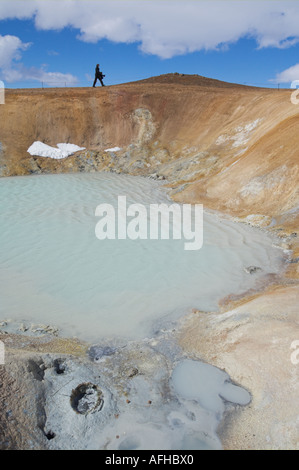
[(53, 269)]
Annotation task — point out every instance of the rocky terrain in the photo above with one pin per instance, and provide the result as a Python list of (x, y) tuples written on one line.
[(230, 147)]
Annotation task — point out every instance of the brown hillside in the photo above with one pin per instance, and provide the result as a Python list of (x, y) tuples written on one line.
[(231, 147)]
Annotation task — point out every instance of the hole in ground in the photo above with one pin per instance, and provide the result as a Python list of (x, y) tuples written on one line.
[(86, 398), (50, 435), (59, 366)]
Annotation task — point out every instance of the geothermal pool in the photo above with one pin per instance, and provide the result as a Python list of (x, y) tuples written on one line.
[(54, 270)]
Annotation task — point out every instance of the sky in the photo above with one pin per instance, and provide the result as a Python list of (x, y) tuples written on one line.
[(53, 43)]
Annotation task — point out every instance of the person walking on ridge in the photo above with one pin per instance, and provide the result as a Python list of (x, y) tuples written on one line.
[(98, 76)]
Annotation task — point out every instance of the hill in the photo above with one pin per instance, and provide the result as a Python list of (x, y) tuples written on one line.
[(230, 147)]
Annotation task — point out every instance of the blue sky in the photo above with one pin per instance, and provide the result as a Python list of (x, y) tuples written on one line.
[(58, 42)]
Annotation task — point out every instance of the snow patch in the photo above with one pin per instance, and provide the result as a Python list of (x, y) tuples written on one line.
[(40, 149), (114, 149)]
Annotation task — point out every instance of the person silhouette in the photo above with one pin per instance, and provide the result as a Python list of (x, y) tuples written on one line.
[(98, 76)]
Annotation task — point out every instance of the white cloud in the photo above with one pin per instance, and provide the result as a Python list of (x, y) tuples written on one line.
[(12, 70), (52, 53), (19, 9), (166, 27), (287, 76), (55, 78), (48, 78), (21, 72), (10, 50)]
